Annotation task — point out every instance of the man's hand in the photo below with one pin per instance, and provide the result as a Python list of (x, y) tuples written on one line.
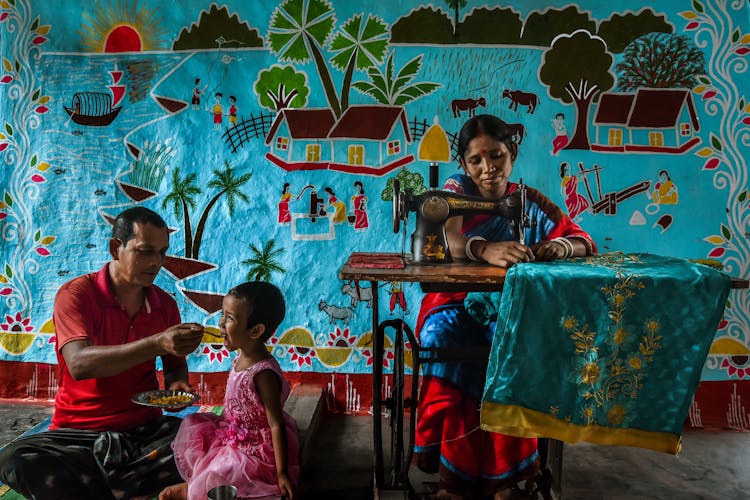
[(182, 339)]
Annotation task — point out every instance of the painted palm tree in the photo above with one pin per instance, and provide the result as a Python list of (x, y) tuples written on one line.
[(359, 46), (396, 90), (181, 197), (298, 32), (263, 262), (455, 5), (227, 184)]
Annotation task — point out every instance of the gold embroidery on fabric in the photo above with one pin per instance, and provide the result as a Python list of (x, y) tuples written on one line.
[(609, 383)]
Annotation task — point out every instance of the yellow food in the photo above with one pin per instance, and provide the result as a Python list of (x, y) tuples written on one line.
[(179, 399)]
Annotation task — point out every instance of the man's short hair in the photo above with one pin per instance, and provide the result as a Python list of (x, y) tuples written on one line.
[(122, 228)]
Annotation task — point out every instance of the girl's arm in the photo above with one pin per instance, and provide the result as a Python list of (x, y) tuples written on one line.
[(269, 389)]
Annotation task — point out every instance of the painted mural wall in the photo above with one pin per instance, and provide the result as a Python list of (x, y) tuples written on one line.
[(268, 135)]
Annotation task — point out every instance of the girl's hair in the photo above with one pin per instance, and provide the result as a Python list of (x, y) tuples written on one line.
[(489, 125), (267, 305)]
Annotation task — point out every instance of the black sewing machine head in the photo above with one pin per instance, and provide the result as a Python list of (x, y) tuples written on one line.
[(429, 244)]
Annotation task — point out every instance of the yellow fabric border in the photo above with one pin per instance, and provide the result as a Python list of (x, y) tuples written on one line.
[(523, 422)]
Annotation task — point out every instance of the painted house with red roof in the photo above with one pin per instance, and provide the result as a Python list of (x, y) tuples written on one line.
[(366, 139), (650, 120)]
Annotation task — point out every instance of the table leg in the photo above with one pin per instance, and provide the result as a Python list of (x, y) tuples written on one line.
[(377, 388)]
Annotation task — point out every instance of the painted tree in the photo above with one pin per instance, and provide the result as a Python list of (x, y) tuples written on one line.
[(660, 60), (182, 198), (359, 46), (541, 28), (263, 262), (298, 32), (576, 69), (387, 88), (228, 185), (455, 5), (281, 87)]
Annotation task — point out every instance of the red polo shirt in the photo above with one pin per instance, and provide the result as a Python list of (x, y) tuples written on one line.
[(86, 308)]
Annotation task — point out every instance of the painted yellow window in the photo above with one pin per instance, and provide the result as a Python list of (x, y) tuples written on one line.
[(356, 154), (282, 143), (615, 137), (655, 139), (313, 152)]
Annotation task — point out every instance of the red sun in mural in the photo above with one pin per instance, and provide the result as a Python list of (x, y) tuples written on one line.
[(123, 38), (122, 28)]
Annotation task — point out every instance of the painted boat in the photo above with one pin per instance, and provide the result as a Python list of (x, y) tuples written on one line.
[(98, 109)]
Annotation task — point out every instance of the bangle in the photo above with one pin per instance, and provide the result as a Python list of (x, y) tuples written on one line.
[(567, 246), (469, 254)]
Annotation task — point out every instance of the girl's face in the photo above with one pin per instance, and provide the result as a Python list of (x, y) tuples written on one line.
[(235, 313), (487, 161)]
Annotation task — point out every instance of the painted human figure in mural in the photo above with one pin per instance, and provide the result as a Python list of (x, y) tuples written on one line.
[(397, 297), (232, 110), (285, 216), (339, 206), (359, 207), (197, 93), (665, 192), (217, 111), (110, 326), (575, 202), (561, 133)]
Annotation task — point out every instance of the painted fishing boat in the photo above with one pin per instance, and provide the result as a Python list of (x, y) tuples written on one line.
[(98, 109)]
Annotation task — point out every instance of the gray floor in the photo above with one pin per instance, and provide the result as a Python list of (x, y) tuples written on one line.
[(712, 465)]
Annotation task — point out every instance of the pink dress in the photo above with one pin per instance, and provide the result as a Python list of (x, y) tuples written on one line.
[(236, 448)]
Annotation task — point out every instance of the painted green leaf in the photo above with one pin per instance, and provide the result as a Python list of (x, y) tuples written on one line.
[(8, 271), (36, 94), (742, 197), (704, 80), (726, 233), (736, 35), (8, 128), (697, 6), (37, 235), (8, 199), (35, 24), (715, 142), (741, 104), (33, 160)]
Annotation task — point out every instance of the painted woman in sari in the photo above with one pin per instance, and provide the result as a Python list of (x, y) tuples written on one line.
[(575, 203), (665, 192), (471, 462), (285, 216)]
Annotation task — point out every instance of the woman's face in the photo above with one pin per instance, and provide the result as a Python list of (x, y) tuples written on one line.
[(487, 161)]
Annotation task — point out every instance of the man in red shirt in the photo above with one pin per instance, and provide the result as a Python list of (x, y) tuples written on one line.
[(110, 327)]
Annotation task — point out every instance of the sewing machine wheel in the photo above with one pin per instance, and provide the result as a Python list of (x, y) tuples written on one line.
[(399, 205)]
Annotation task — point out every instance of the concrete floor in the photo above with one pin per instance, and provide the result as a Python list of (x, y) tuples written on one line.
[(712, 465)]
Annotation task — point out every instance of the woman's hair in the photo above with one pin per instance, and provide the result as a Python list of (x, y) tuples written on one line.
[(122, 227), (563, 167), (266, 302), (361, 187), (666, 174), (489, 125), (329, 191), (286, 186)]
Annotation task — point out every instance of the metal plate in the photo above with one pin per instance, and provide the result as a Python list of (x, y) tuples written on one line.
[(147, 399)]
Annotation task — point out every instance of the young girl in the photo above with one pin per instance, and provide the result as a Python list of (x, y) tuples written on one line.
[(254, 445)]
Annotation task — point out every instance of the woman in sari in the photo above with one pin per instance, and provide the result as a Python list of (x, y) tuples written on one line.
[(473, 463)]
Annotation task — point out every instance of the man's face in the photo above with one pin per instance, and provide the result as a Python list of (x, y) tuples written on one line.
[(140, 260)]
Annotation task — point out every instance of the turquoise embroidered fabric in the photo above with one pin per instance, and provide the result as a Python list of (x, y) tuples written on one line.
[(613, 342)]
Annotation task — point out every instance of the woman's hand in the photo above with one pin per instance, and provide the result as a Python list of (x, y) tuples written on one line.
[(502, 253), (550, 250), (286, 486)]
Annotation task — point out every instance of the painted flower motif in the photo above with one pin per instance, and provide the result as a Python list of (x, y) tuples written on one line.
[(620, 335), (339, 338), (618, 300), (215, 354), (589, 373), (301, 355), (616, 414), (388, 356), (635, 363), (569, 323), (737, 365), (19, 324)]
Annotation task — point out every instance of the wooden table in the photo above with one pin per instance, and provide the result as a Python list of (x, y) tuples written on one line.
[(460, 276)]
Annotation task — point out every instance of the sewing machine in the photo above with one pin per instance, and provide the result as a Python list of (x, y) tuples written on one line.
[(429, 244)]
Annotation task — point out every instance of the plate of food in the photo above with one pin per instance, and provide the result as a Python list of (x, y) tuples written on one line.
[(165, 399)]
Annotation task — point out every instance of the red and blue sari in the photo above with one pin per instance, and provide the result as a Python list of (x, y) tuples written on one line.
[(473, 462)]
